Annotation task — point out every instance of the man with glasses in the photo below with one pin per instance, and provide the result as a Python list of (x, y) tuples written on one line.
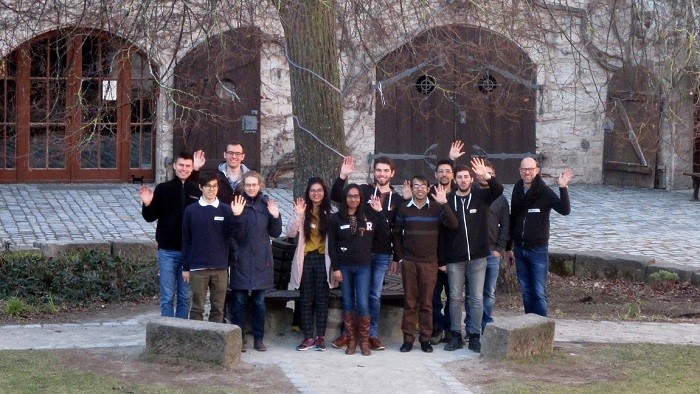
[(531, 203), (206, 228), (384, 171), (229, 173), (415, 240)]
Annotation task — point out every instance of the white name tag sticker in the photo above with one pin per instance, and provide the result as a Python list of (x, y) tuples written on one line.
[(345, 226), (533, 210), (472, 210), (219, 218)]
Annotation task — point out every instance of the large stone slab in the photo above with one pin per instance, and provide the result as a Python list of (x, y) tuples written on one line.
[(56, 249), (183, 341), (604, 265), (518, 337), (135, 249)]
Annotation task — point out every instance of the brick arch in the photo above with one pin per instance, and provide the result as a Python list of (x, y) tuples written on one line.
[(483, 93)]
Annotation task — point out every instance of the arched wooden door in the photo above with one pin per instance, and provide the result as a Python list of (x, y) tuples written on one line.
[(633, 113), (76, 105), (218, 97), (456, 82)]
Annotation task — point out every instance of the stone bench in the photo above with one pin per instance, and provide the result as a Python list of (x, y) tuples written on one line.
[(183, 341), (518, 337)]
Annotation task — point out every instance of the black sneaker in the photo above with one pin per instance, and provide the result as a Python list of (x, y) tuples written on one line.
[(474, 343), (406, 347), (448, 335), (426, 347), (454, 343)]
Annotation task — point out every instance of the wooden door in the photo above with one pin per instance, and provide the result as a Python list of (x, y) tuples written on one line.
[(633, 113), (456, 82), (218, 97)]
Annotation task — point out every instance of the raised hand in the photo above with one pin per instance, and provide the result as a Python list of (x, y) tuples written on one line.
[(347, 168), (273, 208), (480, 169), (440, 195), (299, 206), (376, 203), (565, 178), (456, 150), (146, 194), (237, 205), (406, 190), (199, 160)]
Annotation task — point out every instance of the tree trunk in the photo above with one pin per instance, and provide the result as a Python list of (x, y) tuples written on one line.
[(312, 50)]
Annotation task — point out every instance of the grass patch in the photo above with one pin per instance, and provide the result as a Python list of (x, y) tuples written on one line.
[(637, 368), (43, 372)]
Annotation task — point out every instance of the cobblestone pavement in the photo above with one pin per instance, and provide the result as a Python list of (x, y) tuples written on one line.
[(655, 223)]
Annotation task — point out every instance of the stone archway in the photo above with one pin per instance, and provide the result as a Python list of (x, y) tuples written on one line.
[(456, 82)]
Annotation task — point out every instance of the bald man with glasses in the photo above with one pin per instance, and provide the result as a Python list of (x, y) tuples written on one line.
[(531, 203)]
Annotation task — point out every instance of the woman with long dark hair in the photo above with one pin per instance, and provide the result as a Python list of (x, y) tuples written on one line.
[(350, 236), (311, 263)]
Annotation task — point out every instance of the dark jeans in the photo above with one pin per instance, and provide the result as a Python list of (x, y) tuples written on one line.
[(532, 265), (355, 288), (313, 295), (441, 320), (238, 310), (380, 265)]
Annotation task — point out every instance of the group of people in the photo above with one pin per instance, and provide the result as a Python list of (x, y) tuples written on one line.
[(213, 234), (449, 237)]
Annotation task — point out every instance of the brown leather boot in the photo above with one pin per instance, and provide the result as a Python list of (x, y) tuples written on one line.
[(349, 319), (341, 341), (363, 332)]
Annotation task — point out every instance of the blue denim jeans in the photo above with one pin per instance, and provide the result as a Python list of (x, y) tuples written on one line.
[(471, 272), (380, 265), (532, 265), (238, 311), (441, 321), (355, 288), (493, 265), (172, 285)]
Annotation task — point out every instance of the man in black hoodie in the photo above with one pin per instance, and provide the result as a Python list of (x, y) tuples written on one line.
[(531, 203), (465, 249)]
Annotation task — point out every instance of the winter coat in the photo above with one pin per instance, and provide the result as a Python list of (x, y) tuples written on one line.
[(254, 268)]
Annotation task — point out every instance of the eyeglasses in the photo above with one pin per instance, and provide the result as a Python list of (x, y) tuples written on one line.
[(315, 191), (210, 187), (420, 187), (353, 196), (447, 171), (533, 169), (234, 154)]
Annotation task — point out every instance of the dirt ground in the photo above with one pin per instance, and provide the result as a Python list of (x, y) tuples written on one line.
[(570, 298)]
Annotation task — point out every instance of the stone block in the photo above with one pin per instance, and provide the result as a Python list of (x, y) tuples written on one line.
[(518, 337), (56, 249), (695, 279), (134, 249), (183, 341), (278, 320), (604, 265), (561, 262)]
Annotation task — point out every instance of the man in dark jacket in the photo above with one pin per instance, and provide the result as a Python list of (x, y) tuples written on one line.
[(531, 203), (466, 248), (166, 204)]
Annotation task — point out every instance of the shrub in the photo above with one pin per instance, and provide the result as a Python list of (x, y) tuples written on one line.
[(76, 279)]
